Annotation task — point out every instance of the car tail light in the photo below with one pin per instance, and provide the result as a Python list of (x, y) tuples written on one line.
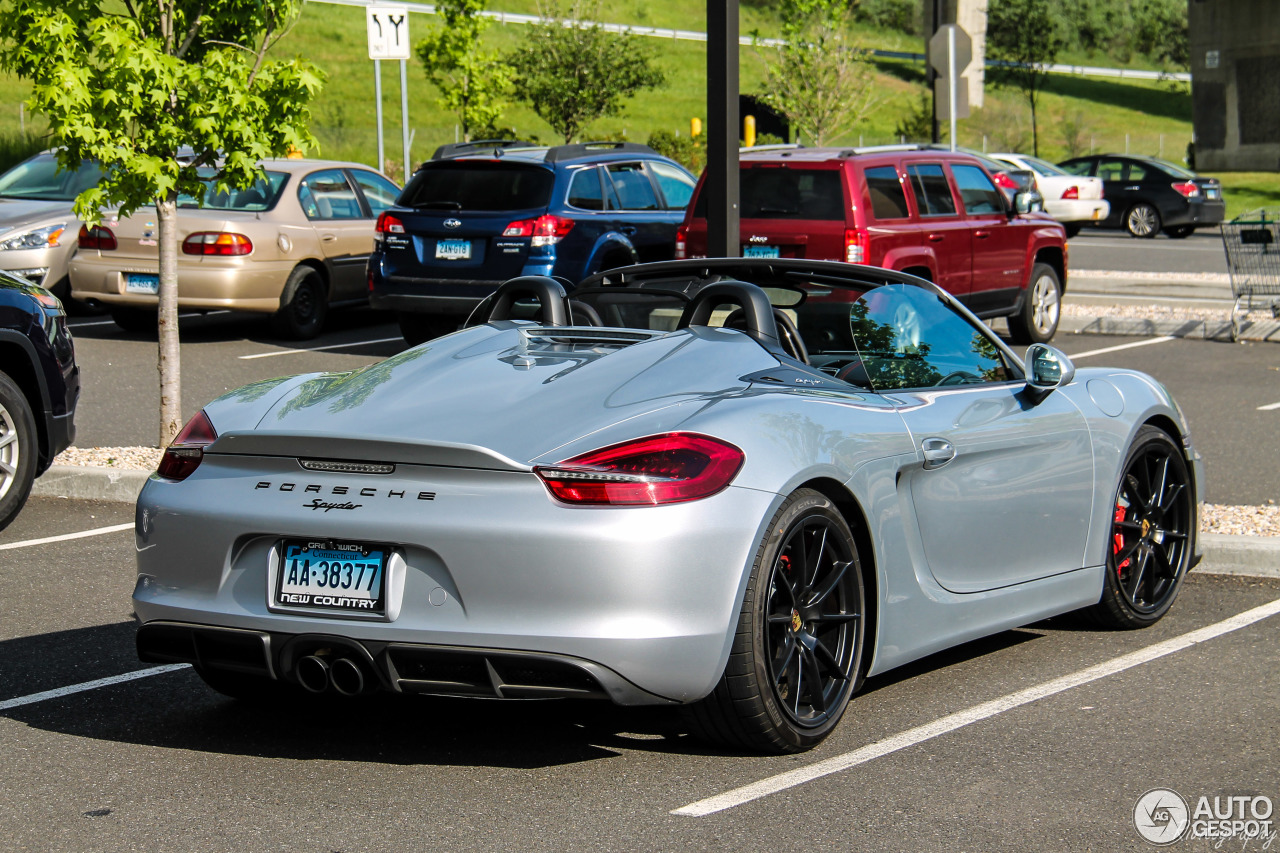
[(389, 224), (98, 237), (546, 230), (856, 243), (659, 469), (1188, 189), (682, 239), (1072, 192), (183, 457), (1003, 180), (216, 243)]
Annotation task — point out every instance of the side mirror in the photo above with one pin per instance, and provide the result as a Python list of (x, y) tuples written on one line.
[(1047, 368), (1023, 202)]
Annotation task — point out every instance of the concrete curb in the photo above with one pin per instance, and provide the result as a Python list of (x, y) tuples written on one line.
[(1253, 556), (1214, 330)]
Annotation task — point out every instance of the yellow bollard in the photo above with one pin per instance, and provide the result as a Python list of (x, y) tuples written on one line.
[(695, 127), (749, 130)]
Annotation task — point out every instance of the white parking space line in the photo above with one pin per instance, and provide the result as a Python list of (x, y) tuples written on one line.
[(1144, 343), (317, 349), (75, 325), (67, 536), (950, 723), (1270, 407), (90, 685)]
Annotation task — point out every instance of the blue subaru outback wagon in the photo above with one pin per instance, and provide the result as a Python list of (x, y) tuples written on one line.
[(479, 213)]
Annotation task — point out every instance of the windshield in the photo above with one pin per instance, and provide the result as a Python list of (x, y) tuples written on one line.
[(1040, 167), (260, 195), (41, 179)]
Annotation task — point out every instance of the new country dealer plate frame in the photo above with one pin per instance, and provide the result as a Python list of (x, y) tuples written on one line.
[(286, 597)]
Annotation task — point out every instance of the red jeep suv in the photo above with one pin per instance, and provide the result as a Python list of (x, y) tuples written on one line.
[(932, 213)]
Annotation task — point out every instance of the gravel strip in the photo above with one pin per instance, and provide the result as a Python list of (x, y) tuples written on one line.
[(1238, 520), (1147, 312)]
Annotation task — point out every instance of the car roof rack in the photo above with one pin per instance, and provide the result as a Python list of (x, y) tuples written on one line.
[(479, 146), (776, 146), (583, 149)]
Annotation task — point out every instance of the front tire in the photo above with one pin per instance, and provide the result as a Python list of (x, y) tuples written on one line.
[(304, 304), (1153, 534), (1142, 220), (1037, 320), (797, 656), (18, 443)]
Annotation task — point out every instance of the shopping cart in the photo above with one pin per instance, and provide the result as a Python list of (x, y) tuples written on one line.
[(1252, 244)]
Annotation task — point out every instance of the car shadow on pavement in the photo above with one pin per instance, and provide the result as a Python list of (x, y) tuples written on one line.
[(223, 326)]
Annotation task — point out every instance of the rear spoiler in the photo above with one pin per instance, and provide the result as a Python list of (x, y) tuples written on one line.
[(346, 448)]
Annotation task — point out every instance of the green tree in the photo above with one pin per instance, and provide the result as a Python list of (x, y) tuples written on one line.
[(572, 73), (1025, 36), (473, 82), (134, 85), (1160, 31), (821, 77)]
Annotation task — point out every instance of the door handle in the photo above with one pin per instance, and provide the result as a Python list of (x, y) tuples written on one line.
[(329, 238), (1134, 187), (936, 238), (937, 452), (982, 235)]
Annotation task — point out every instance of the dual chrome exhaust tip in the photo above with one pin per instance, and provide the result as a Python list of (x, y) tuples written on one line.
[(343, 675)]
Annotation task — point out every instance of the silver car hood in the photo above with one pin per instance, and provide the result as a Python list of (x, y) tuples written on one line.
[(16, 212), (484, 397)]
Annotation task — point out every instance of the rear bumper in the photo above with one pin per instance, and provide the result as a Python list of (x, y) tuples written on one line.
[(239, 286), (1078, 210)]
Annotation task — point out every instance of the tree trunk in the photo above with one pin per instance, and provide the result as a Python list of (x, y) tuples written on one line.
[(1035, 128), (170, 365)]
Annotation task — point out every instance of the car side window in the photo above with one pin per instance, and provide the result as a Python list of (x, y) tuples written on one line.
[(1111, 170), (584, 189), (379, 192), (327, 195), (908, 337), (977, 193), (933, 193), (888, 199), (676, 186), (1080, 167), (635, 192), (1137, 172)]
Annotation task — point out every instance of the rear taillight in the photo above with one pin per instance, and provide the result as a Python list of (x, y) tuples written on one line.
[(659, 469), (98, 237), (546, 230), (1072, 192), (682, 238), (856, 243), (1003, 180), (216, 243), (1188, 189), (183, 457), (389, 224)]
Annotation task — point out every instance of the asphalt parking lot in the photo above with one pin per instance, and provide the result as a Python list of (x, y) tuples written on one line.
[(985, 747)]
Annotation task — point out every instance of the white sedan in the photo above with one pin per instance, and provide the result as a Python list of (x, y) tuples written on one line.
[(1073, 200)]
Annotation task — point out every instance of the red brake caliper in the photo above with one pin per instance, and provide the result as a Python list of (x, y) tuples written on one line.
[(1117, 542)]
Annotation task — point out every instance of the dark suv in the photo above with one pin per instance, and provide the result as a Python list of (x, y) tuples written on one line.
[(935, 214), (477, 214), (39, 386)]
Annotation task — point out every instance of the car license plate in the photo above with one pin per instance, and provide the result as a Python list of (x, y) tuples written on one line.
[(453, 250), (1212, 192), (141, 283), (759, 251), (329, 574)]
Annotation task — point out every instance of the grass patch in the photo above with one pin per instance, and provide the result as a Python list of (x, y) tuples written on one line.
[(1246, 191)]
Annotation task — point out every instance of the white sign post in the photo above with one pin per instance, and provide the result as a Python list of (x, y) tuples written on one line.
[(388, 30), (950, 51)]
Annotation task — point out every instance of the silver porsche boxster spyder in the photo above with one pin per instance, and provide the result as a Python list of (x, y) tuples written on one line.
[(740, 486)]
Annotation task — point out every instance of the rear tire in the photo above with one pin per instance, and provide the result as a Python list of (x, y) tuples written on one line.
[(1153, 534), (18, 450), (1037, 320), (135, 319), (304, 304), (803, 614), (420, 328)]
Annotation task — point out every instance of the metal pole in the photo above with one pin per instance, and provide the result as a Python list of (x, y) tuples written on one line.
[(723, 238), (951, 80), (404, 115), (377, 99)]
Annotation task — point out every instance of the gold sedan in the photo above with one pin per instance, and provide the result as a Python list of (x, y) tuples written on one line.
[(291, 245)]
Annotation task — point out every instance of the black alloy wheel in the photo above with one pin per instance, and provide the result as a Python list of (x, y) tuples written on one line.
[(18, 450), (1152, 536), (303, 306), (797, 656)]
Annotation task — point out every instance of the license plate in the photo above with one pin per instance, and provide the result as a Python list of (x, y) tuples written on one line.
[(1212, 192), (453, 250), (141, 283), (329, 574), (759, 251)]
